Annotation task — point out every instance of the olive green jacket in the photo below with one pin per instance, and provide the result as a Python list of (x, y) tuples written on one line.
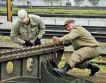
[(21, 32), (79, 37)]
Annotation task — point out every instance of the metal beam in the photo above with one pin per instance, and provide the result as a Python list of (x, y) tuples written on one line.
[(9, 10), (99, 62)]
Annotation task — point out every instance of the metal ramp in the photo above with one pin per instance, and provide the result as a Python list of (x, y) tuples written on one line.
[(52, 77), (31, 65), (48, 76)]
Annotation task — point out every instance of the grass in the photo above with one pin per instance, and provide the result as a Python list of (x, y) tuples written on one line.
[(6, 38), (102, 44), (83, 71), (58, 11)]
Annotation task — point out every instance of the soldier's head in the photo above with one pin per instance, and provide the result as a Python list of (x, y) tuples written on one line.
[(69, 24), (23, 16)]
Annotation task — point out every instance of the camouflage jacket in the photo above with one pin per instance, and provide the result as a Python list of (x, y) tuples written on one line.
[(21, 32)]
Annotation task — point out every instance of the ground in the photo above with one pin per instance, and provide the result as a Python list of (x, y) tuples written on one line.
[(100, 77)]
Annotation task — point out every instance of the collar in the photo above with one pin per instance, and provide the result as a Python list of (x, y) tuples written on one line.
[(76, 26), (31, 21)]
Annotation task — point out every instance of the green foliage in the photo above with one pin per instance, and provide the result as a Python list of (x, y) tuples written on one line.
[(3, 9), (94, 2), (62, 63), (50, 0), (78, 2), (58, 11), (102, 44), (6, 38)]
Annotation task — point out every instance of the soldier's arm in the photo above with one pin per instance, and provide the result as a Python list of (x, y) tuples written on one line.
[(15, 34), (41, 28), (70, 36)]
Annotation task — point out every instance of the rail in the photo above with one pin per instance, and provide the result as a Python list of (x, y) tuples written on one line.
[(58, 30), (62, 15)]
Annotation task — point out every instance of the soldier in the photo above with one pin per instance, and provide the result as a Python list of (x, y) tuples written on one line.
[(28, 29), (85, 45)]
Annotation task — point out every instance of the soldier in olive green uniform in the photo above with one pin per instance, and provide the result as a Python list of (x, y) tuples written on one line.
[(85, 45), (28, 29)]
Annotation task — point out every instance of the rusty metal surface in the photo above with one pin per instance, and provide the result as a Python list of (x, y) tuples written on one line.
[(8, 44), (20, 64), (26, 52), (29, 65)]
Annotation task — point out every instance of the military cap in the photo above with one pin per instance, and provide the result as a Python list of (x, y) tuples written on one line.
[(68, 21), (22, 14)]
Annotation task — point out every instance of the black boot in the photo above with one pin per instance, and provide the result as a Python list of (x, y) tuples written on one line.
[(53, 63), (93, 68), (62, 71)]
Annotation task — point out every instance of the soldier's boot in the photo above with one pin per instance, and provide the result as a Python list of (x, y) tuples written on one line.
[(53, 63), (62, 71), (93, 68)]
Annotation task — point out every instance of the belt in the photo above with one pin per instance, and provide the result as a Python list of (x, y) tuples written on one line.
[(85, 46)]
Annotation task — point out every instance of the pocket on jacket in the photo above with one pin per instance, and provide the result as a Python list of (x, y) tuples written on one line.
[(34, 31), (23, 31)]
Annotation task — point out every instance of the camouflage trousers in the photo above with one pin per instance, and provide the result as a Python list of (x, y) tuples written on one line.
[(80, 57)]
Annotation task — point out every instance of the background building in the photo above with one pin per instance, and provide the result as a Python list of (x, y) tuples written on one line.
[(84, 3)]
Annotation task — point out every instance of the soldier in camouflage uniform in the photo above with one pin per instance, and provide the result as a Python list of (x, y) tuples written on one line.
[(85, 45), (28, 29)]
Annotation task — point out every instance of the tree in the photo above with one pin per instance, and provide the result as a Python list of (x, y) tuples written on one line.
[(94, 2), (51, 1), (68, 3), (78, 2)]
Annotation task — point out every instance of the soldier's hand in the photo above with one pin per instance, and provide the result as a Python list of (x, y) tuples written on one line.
[(37, 42), (28, 43), (56, 40)]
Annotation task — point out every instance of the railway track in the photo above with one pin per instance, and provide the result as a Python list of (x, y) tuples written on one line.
[(58, 30), (62, 15), (62, 7), (11, 50)]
